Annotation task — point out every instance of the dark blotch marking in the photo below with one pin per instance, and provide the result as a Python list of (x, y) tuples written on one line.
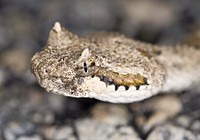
[(80, 80), (137, 87), (93, 64), (107, 80), (101, 78), (126, 87), (145, 53), (158, 52), (145, 81), (116, 87)]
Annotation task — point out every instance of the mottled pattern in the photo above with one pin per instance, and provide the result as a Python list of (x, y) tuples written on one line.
[(111, 67)]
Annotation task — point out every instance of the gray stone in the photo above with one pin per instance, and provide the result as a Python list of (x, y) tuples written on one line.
[(12, 131), (34, 137), (58, 133), (171, 132), (113, 114), (90, 129)]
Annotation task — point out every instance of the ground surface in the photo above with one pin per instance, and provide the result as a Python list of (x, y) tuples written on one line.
[(28, 112)]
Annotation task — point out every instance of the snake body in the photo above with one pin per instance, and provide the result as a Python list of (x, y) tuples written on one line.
[(111, 67)]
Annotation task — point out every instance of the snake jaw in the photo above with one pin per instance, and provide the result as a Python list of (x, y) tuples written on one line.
[(99, 89)]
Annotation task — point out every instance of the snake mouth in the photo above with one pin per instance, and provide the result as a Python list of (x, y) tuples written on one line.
[(110, 81), (110, 77), (122, 82)]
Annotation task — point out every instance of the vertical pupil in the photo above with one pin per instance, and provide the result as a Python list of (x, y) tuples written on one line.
[(85, 67)]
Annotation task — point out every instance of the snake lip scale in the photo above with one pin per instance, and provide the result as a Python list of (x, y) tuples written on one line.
[(113, 68)]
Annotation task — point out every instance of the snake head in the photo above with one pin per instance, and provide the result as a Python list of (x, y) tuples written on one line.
[(64, 65), (78, 67)]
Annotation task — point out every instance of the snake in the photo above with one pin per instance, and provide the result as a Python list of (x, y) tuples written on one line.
[(111, 67)]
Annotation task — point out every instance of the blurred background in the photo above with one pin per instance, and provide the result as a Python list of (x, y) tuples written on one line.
[(28, 112)]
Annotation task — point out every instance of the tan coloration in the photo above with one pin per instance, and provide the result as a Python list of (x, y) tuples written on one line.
[(93, 66), (193, 39), (123, 79), (144, 53), (148, 53)]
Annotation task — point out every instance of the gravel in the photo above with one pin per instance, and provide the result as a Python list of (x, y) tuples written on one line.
[(28, 112)]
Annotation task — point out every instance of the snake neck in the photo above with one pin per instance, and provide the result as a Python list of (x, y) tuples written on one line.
[(182, 65)]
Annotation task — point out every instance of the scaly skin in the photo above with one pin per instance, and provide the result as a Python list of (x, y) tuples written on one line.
[(113, 68)]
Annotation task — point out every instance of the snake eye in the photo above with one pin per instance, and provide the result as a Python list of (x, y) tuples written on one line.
[(85, 67)]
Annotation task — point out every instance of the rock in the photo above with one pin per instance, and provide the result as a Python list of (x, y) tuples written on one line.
[(28, 112), (171, 132), (59, 133), (125, 133), (113, 114), (195, 127), (160, 15), (16, 60), (34, 137), (183, 121), (90, 129), (13, 130), (156, 111), (2, 77)]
